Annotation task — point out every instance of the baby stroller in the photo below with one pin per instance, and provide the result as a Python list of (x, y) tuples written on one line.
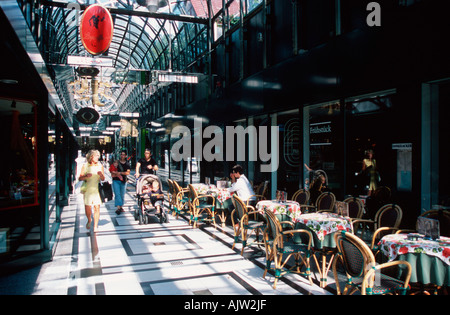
[(145, 207)]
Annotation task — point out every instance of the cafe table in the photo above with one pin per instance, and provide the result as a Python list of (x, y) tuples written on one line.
[(288, 210), (223, 201), (429, 259), (202, 189), (323, 226), (222, 195)]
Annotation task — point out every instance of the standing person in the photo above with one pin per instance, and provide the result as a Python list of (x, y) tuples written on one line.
[(119, 184), (146, 165), (92, 172), (113, 169), (369, 169), (241, 185), (318, 186)]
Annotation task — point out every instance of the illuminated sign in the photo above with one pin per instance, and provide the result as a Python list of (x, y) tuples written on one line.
[(181, 78), (89, 61), (174, 77)]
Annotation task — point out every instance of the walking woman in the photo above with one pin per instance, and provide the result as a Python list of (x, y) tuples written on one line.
[(92, 172), (120, 181)]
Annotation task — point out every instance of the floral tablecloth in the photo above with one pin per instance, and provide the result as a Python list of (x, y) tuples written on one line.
[(323, 224), (222, 194), (398, 244), (202, 189), (289, 208)]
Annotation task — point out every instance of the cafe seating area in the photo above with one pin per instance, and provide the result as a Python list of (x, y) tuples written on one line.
[(278, 247), (336, 239)]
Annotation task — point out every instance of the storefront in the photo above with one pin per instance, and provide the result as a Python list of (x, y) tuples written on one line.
[(19, 199), (338, 135), (435, 149), (323, 144), (404, 127), (37, 152), (35, 181)]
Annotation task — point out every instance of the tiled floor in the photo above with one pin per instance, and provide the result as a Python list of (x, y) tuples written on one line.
[(154, 259)]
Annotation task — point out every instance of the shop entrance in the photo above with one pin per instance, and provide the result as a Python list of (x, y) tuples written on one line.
[(365, 134), (372, 136), (375, 123)]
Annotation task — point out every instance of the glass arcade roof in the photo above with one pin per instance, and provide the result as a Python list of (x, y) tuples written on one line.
[(144, 38), (148, 35)]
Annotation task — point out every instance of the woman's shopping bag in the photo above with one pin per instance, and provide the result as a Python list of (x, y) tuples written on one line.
[(105, 190)]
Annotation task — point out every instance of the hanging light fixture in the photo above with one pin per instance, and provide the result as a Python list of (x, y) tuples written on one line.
[(95, 98), (163, 3), (152, 5)]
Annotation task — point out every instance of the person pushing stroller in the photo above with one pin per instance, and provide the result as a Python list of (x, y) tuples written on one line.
[(146, 165)]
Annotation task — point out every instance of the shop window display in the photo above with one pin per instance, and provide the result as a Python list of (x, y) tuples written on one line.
[(322, 130), (19, 213), (372, 160), (19, 172)]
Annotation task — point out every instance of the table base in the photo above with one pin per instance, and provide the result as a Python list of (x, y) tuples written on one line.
[(222, 216), (324, 266)]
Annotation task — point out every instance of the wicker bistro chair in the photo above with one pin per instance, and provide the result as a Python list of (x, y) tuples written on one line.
[(443, 216), (355, 207), (180, 198), (301, 196), (362, 271), (387, 220), (280, 247), (170, 195), (261, 192), (244, 225), (201, 207), (324, 203)]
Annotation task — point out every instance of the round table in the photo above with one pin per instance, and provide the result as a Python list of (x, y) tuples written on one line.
[(323, 226), (202, 189), (429, 259), (221, 194), (223, 199), (289, 210)]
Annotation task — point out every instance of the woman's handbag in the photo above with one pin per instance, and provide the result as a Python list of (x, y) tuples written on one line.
[(105, 190)]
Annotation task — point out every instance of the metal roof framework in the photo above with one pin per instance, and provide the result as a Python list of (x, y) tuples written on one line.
[(140, 37), (142, 40), (172, 37)]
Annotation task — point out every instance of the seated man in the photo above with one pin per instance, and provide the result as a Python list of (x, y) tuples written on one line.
[(241, 185)]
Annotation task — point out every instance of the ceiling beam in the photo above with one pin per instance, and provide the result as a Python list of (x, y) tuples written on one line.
[(123, 11)]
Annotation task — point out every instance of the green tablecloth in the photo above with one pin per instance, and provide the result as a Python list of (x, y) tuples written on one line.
[(226, 205), (427, 269), (429, 259), (328, 241)]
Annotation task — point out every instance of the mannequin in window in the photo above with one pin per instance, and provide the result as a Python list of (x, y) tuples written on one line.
[(370, 172)]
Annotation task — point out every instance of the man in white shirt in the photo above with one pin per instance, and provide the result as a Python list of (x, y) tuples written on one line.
[(241, 185)]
